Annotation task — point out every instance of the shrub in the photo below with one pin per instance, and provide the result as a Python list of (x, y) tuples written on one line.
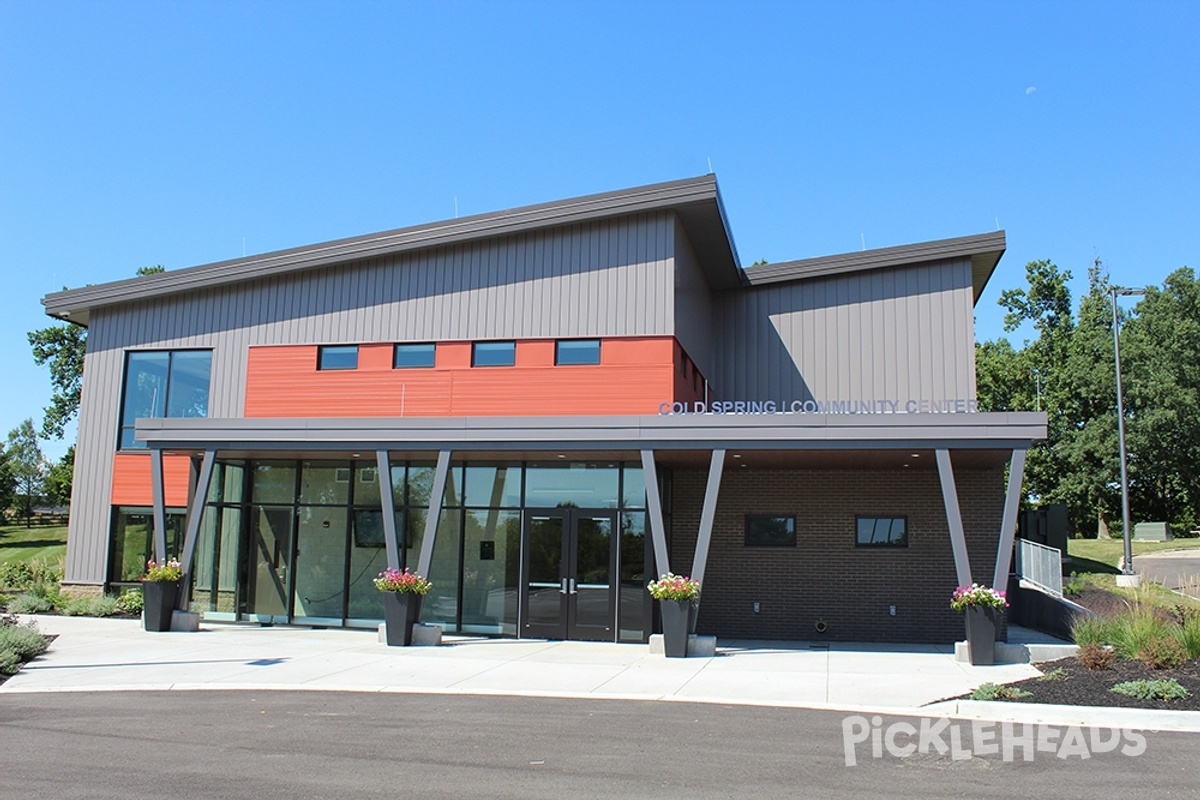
[(80, 607), (1074, 585), (29, 604), (10, 662), (1152, 690), (1134, 629), (16, 575), (995, 691), (130, 601), (1056, 674), (24, 640), (1087, 629), (1163, 653), (1096, 656), (1189, 634), (105, 606)]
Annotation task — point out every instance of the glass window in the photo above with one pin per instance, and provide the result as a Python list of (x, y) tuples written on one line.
[(572, 484), (881, 531), (325, 482), (132, 541), (764, 530), (633, 489), (577, 351), (493, 486), (413, 356), (163, 383), (274, 482), (494, 354), (342, 356)]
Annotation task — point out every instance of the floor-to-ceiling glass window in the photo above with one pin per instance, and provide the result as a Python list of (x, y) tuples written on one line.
[(269, 541), (491, 553), (322, 528), (215, 564)]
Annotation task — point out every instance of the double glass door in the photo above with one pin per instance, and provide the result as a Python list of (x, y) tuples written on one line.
[(570, 558)]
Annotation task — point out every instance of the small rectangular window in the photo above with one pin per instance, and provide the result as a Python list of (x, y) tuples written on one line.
[(770, 530), (494, 354), (881, 531), (577, 351), (341, 356), (414, 356)]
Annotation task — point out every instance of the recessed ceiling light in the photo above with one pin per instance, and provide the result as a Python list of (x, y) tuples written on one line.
[(737, 455), (562, 455), (916, 455)]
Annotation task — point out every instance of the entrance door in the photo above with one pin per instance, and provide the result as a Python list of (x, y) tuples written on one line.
[(569, 563)]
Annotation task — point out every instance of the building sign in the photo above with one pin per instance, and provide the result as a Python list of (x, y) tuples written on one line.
[(949, 405)]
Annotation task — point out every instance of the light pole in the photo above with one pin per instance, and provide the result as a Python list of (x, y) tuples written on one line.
[(1127, 577)]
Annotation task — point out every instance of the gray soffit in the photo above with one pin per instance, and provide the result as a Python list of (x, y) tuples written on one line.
[(696, 201), (767, 432), (983, 249)]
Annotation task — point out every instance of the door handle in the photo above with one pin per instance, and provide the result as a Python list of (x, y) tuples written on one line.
[(562, 586), (572, 589)]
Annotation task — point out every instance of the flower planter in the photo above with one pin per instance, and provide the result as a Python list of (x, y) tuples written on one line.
[(158, 604), (400, 611), (676, 624), (981, 634)]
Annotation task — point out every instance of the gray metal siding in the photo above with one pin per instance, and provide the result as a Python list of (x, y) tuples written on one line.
[(693, 304), (606, 278), (903, 333)]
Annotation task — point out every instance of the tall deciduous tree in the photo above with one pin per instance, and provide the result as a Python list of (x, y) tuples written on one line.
[(8, 485), (62, 347), (59, 479), (28, 465)]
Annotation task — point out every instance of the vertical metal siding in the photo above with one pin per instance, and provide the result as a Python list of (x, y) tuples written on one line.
[(603, 278), (692, 304), (904, 333)]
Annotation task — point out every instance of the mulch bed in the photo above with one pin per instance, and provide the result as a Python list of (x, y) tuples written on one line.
[(1079, 686)]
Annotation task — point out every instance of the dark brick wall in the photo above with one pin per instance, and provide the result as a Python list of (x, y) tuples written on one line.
[(825, 576)]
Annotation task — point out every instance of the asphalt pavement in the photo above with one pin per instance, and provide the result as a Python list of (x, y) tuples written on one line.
[(1175, 569)]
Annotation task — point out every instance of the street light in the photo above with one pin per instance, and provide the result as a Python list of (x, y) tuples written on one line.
[(1127, 577)]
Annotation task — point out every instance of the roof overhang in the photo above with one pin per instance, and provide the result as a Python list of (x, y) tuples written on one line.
[(696, 202), (984, 251), (775, 433)]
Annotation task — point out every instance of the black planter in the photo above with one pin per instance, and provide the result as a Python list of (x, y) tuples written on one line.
[(158, 604), (400, 611), (981, 634), (676, 623)]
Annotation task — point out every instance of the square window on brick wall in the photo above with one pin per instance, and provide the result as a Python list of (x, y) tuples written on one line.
[(881, 531)]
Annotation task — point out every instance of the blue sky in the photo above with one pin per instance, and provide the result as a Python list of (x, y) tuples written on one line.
[(139, 133)]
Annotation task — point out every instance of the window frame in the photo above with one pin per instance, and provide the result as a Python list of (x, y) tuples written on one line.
[(792, 520), (411, 347), (322, 349), (475, 347), (168, 374), (889, 544), (558, 361)]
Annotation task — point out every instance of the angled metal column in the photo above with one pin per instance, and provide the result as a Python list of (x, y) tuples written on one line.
[(389, 508), (1008, 526), (192, 533), (158, 493), (654, 508), (958, 539), (435, 510), (700, 561)]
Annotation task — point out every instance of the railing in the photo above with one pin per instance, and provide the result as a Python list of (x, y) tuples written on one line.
[(1040, 566)]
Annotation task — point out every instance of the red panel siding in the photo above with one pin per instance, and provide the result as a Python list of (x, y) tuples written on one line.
[(131, 480), (634, 376)]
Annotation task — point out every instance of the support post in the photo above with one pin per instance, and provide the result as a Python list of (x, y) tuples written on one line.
[(1008, 526), (958, 539), (707, 514), (386, 494), (158, 494), (658, 535), (435, 510), (192, 532)]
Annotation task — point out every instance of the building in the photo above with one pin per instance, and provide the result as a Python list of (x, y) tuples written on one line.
[(543, 408)]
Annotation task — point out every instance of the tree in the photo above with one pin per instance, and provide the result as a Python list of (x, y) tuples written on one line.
[(62, 347), (59, 479), (28, 465), (8, 485)]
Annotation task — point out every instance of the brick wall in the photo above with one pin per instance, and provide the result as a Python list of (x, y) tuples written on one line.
[(825, 576)]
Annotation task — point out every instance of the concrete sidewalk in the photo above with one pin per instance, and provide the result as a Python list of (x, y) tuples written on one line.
[(104, 655)]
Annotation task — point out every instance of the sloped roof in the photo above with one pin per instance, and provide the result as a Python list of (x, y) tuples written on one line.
[(696, 201), (983, 249)]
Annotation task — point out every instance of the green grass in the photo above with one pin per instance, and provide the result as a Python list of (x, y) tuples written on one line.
[(46, 545), (1105, 554)]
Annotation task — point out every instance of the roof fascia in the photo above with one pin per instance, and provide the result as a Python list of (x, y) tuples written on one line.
[(984, 250)]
